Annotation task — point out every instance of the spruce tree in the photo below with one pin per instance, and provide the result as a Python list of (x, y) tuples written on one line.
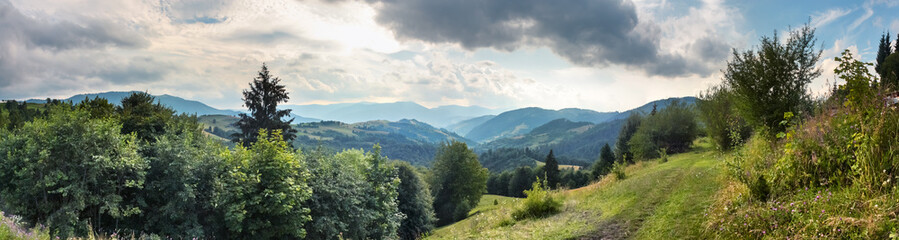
[(551, 169), (883, 51), (262, 100), (604, 163)]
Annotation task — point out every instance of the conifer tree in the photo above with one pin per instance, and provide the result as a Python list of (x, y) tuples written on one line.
[(262, 100), (883, 51), (552, 170)]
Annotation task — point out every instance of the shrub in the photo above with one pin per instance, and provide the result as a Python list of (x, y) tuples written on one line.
[(539, 203), (722, 124), (663, 155), (618, 170)]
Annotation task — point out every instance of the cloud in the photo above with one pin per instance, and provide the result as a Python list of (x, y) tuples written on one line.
[(864, 17), (586, 33), (62, 35), (824, 18)]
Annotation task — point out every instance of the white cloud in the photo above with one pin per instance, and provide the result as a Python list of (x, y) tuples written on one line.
[(864, 17), (824, 18)]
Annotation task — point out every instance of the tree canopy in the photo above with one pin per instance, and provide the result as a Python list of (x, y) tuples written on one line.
[(772, 80), (457, 183)]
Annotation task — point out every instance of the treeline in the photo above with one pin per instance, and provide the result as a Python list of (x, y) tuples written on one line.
[(514, 183), (140, 169)]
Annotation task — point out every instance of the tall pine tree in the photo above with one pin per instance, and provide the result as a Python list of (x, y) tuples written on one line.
[(883, 51), (262, 100), (551, 169)]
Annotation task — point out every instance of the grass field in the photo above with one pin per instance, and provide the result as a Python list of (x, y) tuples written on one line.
[(656, 201)]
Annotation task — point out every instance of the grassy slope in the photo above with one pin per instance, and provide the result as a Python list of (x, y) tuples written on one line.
[(656, 201)]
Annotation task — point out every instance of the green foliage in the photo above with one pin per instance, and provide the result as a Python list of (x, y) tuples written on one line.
[(138, 114), (618, 170), (539, 203), (68, 171), (16, 114), (182, 183), (622, 148), (98, 107), (262, 100), (723, 125), (266, 190), (551, 171), (760, 189), (457, 183), (772, 80), (571, 178), (355, 196), (883, 50), (503, 159), (602, 165), (415, 202), (889, 72), (673, 128), (663, 154), (521, 181)]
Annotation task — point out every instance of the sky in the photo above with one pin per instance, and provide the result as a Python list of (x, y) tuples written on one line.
[(605, 55)]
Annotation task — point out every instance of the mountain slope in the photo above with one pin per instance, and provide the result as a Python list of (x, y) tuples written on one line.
[(521, 121), (655, 201), (465, 126), (406, 140)]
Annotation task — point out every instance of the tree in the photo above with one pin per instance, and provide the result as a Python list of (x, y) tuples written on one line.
[(890, 72), (97, 107), (69, 171), (673, 129), (551, 169), (622, 150), (262, 100), (520, 181), (414, 202), (457, 183), (141, 116), (602, 165), (267, 189), (181, 184), (772, 80), (883, 50), (722, 124)]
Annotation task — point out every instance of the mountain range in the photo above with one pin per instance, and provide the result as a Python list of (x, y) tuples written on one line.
[(360, 112)]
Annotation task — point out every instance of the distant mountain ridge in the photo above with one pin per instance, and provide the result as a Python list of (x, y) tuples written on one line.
[(360, 112), (522, 121)]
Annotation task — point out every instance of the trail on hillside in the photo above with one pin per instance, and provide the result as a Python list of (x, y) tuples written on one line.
[(674, 188)]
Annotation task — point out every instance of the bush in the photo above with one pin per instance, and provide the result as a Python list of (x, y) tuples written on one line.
[(618, 170), (722, 124), (663, 155), (539, 203)]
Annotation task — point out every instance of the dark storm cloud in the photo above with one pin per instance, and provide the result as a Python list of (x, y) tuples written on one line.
[(61, 35), (585, 32)]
